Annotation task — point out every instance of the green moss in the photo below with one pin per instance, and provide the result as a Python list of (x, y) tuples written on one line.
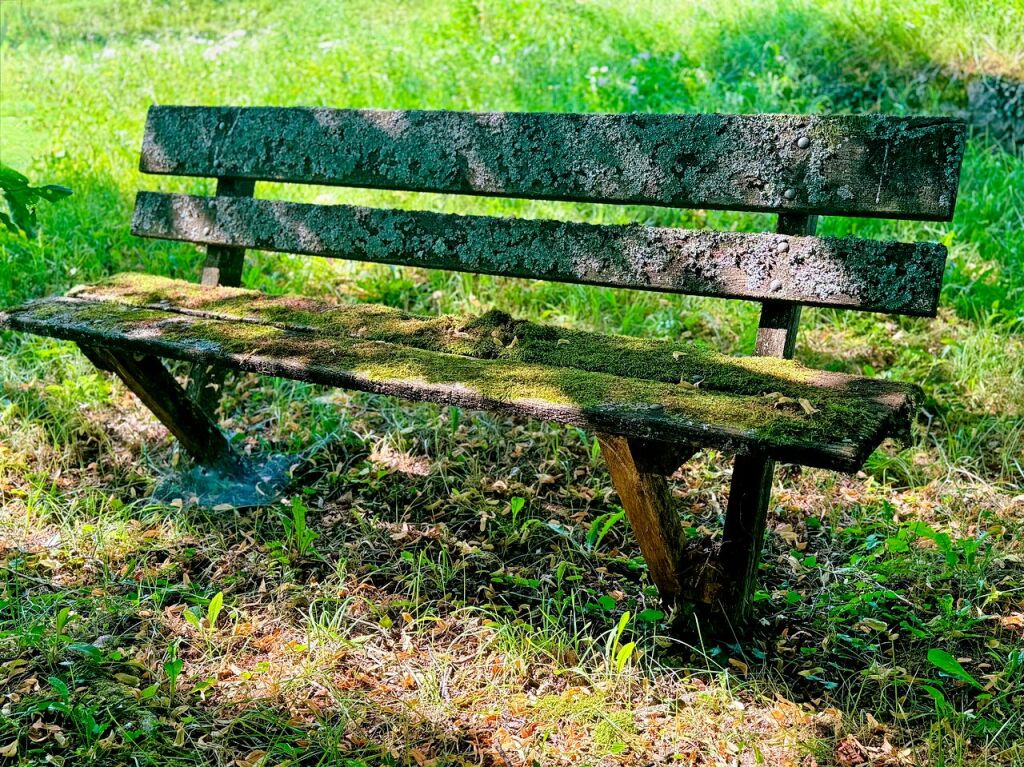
[(827, 132), (95, 315), (494, 335)]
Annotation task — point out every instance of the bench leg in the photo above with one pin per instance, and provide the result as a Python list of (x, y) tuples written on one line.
[(147, 377), (742, 541), (639, 473), (735, 573), (205, 383)]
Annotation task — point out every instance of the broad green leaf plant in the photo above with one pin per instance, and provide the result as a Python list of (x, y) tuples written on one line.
[(21, 199)]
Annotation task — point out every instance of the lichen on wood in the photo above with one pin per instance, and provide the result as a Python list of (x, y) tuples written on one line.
[(847, 272), (901, 167), (645, 389)]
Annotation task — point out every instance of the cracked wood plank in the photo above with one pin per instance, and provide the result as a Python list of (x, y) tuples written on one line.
[(891, 277), (864, 165)]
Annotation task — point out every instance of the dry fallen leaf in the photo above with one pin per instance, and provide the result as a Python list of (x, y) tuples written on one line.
[(252, 759), (735, 663), (1012, 621), (807, 406), (851, 753)]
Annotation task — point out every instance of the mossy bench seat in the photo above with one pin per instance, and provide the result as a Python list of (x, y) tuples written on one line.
[(665, 391), (651, 404)]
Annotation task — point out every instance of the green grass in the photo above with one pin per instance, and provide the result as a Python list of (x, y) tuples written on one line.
[(406, 606)]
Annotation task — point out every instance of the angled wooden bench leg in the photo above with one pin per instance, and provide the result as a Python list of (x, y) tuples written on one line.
[(639, 472), (205, 384), (147, 377)]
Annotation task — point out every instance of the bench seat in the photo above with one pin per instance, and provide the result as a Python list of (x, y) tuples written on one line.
[(664, 391)]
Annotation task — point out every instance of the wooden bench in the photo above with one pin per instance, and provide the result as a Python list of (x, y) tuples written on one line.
[(651, 403)]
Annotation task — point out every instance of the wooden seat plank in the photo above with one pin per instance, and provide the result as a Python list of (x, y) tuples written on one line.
[(494, 335), (737, 406), (864, 165), (848, 272)]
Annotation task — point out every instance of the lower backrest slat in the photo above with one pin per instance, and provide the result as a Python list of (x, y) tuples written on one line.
[(898, 278)]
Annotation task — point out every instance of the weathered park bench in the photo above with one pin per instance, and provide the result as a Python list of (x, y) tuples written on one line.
[(652, 404)]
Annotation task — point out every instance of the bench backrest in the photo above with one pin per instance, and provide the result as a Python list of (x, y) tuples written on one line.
[(799, 167)]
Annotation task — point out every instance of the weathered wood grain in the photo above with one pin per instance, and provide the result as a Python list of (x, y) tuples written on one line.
[(892, 277), (870, 165), (639, 408), (643, 491)]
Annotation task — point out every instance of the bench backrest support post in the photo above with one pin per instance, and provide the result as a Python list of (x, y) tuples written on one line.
[(776, 331), (224, 263), (223, 266), (746, 516)]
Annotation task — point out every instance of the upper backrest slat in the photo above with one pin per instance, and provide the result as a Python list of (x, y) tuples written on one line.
[(894, 277), (872, 165)]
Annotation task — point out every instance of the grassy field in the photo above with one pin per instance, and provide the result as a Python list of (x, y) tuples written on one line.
[(448, 587)]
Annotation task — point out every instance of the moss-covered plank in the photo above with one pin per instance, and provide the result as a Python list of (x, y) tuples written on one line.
[(890, 277), (496, 335), (872, 165), (737, 406)]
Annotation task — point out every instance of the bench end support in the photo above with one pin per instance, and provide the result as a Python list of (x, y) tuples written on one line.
[(639, 470), (149, 380)]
